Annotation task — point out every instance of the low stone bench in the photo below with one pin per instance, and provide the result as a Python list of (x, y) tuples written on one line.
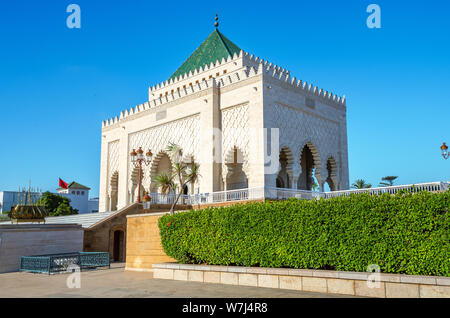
[(322, 281)]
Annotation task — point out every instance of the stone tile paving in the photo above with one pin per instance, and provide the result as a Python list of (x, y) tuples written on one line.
[(116, 282)]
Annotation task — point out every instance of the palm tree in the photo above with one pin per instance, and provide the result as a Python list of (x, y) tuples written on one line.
[(165, 182), (175, 152), (390, 181), (361, 184), (193, 174), (181, 171)]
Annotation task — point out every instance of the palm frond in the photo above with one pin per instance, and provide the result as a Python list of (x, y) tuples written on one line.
[(193, 173), (175, 152), (179, 168), (165, 181), (361, 184)]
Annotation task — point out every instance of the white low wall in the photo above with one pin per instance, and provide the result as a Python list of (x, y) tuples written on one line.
[(18, 240)]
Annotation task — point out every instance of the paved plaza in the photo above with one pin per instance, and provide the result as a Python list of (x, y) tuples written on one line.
[(116, 282)]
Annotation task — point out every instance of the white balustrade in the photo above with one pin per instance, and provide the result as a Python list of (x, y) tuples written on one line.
[(273, 193), (429, 186), (159, 198)]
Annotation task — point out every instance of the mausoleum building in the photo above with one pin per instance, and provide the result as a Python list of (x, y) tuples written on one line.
[(247, 122)]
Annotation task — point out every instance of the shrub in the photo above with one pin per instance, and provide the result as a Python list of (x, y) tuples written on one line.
[(402, 233)]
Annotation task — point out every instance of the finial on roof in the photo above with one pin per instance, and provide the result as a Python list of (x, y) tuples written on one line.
[(216, 24)]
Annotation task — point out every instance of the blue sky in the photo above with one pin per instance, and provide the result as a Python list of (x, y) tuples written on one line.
[(58, 84)]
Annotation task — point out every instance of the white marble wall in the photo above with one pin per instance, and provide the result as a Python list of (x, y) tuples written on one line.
[(322, 126)]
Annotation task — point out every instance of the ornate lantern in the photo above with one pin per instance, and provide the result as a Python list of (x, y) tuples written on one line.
[(146, 198), (133, 155), (445, 152)]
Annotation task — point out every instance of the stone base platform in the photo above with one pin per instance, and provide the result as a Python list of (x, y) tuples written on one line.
[(322, 281)]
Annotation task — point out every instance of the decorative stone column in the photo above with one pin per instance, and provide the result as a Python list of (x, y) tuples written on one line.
[(296, 172), (322, 186), (107, 206)]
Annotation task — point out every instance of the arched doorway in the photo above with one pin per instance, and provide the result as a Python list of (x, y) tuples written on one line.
[(161, 163), (118, 244), (236, 177), (310, 164)]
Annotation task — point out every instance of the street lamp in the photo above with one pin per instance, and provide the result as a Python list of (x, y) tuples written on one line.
[(138, 158), (445, 152)]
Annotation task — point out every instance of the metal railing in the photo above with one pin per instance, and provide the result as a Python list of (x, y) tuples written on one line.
[(56, 263), (285, 193)]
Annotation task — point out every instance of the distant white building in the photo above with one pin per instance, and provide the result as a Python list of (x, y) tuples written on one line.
[(77, 194)]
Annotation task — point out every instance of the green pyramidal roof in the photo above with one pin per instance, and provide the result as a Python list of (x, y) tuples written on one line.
[(214, 48)]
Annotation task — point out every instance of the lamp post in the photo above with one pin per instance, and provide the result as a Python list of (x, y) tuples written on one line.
[(445, 152), (138, 158)]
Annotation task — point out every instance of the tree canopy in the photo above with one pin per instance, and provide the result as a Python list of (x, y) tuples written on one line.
[(388, 181), (56, 205)]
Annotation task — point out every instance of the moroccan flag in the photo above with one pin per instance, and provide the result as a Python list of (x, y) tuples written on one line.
[(62, 184)]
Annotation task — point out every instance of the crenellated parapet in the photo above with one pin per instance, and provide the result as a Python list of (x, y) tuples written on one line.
[(284, 75), (254, 61), (235, 68), (205, 71), (195, 88), (159, 101), (309, 88)]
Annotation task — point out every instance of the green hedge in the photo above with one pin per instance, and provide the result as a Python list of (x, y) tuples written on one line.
[(404, 233)]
